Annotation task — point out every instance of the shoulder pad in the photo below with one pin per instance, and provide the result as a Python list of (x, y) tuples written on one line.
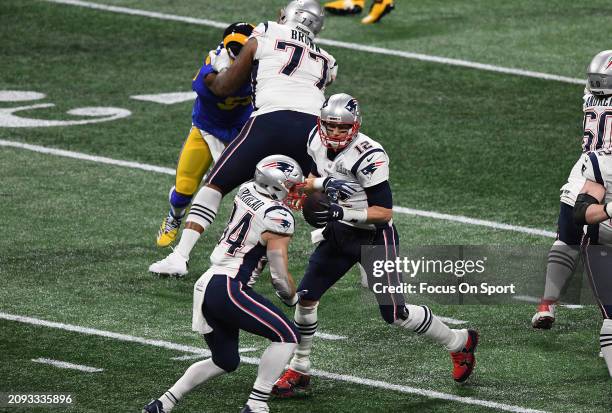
[(279, 219)]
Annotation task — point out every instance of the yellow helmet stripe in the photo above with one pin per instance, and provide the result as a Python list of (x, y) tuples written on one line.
[(235, 37)]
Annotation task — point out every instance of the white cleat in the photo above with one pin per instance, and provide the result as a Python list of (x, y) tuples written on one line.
[(545, 317), (174, 264)]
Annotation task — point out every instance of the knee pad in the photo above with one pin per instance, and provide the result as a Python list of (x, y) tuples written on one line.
[(228, 361)]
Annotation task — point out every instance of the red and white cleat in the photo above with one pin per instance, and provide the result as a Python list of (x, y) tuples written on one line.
[(291, 384), (464, 361), (545, 317)]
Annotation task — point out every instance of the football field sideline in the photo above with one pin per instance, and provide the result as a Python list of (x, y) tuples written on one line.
[(330, 42), (168, 171), (255, 361)]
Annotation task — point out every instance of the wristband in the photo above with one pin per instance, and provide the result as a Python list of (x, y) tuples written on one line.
[(606, 210), (357, 216), (319, 183)]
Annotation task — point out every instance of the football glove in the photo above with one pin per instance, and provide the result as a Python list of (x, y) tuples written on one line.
[(219, 59), (292, 301), (331, 212), (340, 188)]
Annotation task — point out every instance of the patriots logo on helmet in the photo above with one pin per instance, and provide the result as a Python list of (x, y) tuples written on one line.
[(351, 106), (609, 63), (371, 168), (285, 167)]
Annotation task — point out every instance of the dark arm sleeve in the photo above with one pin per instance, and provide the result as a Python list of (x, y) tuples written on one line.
[(313, 168), (380, 195)]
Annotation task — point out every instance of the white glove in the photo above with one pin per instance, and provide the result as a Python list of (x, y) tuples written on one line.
[(220, 59), (608, 209)]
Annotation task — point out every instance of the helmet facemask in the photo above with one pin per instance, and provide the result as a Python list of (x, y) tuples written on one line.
[(336, 135)]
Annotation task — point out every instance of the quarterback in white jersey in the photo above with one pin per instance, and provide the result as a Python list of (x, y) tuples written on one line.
[(289, 73), (597, 134), (224, 302), (362, 164), (594, 208), (354, 171)]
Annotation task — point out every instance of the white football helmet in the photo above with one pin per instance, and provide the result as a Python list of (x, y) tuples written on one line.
[(340, 121), (277, 175), (306, 14), (599, 74)]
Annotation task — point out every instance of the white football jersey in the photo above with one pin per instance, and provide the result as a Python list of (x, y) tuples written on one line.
[(240, 251), (363, 162), (290, 71), (597, 167), (597, 123)]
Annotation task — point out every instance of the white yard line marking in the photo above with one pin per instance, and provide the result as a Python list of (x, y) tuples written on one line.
[(86, 157), (167, 98), (536, 300), (66, 365), (326, 336), (329, 42), (474, 221), (452, 321), (168, 171), (252, 360), (199, 356)]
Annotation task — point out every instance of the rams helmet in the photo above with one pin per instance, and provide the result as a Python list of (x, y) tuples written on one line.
[(599, 74), (340, 121), (235, 36)]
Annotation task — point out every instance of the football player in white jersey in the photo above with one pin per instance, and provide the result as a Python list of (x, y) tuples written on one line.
[(289, 73), (356, 168), (594, 208), (224, 302), (564, 253)]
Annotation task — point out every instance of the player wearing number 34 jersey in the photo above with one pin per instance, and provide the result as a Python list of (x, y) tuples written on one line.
[(289, 73)]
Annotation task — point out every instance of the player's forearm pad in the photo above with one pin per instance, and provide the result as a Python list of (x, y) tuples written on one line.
[(580, 207)]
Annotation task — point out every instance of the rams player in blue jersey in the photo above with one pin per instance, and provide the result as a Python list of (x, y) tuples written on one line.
[(216, 121)]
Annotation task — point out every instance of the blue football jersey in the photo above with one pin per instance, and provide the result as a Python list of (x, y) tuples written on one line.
[(221, 117)]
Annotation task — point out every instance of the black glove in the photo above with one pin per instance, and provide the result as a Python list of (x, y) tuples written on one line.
[(331, 212)]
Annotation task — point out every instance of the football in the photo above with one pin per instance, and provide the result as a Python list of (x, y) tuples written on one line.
[(315, 202)]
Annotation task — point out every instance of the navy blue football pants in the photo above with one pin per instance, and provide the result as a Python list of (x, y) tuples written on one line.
[(282, 132), (230, 306), (341, 250)]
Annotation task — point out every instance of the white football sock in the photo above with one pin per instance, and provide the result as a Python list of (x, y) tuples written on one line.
[(422, 321), (189, 238), (271, 366), (195, 375), (605, 342), (204, 206), (306, 321), (562, 260)]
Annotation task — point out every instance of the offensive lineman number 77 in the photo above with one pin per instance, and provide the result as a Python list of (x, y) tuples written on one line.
[(297, 53)]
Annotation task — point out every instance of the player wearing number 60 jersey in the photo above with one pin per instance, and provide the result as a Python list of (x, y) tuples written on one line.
[(289, 73), (597, 123)]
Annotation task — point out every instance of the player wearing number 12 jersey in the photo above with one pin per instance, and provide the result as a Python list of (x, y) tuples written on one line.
[(289, 73), (564, 253)]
